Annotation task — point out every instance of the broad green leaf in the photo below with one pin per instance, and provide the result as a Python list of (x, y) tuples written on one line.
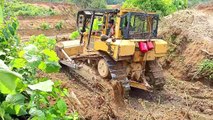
[(18, 63), (62, 106), (16, 99), (49, 67), (17, 109), (15, 25), (12, 31), (30, 49), (1, 14), (3, 66), (8, 81), (42, 66), (14, 108), (45, 86), (37, 114), (2, 112), (51, 54), (21, 54), (33, 60), (20, 110), (2, 53)]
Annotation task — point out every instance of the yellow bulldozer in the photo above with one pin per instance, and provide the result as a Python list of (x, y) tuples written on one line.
[(122, 47)]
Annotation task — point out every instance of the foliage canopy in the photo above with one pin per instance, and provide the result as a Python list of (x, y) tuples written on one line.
[(163, 7)]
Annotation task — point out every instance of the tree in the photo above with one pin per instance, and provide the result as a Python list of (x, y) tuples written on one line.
[(95, 4), (111, 2), (163, 7)]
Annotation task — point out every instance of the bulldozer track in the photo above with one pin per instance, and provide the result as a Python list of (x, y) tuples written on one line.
[(71, 73), (155, 73), (89, 77), (117, 71)]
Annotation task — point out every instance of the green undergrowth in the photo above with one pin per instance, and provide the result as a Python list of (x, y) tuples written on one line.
[(19, 8), (206, 69), (23, 94)]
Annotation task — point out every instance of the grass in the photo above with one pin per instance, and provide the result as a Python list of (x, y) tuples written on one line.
[(59, 25), (206, 69)]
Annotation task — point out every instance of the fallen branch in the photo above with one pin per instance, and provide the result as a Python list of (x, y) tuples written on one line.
[(188, 110)]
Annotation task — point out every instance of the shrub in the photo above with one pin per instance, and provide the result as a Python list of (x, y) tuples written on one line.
[(59, 25), (163, 7), (206, 69), (74, 35), (45, 26)]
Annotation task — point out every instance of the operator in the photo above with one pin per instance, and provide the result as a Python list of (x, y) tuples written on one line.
[(111, 28)]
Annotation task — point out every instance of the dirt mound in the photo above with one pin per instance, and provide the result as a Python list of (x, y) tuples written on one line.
[(189, 34)]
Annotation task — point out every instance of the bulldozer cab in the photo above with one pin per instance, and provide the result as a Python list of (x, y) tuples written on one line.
[(128, 24), (135, 25)]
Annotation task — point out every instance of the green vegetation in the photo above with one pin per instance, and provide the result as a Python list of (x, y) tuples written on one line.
[(111, 2), (74, 35), (23, 95), (163, 7), (45, 26), (1, 11), (206, 69), (19, 8), (95, 4), (59, 25)]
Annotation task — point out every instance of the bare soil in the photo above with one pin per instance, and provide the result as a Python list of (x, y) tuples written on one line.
[(190, 37), (179, 100), (29, 26)]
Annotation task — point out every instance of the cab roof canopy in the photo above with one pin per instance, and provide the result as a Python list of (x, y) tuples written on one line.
[(98, 12)]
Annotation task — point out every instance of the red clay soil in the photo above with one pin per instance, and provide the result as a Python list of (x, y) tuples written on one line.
[(32, 25), (190, 35)]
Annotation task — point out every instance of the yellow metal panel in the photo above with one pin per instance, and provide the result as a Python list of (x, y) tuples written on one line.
[(115, 51), (126, 47), (70, 47), (137, 56), (100, 45), (160, 46), (120, 48), (150, 55)]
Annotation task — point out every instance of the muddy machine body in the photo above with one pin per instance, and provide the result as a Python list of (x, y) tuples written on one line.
[(129, 56)]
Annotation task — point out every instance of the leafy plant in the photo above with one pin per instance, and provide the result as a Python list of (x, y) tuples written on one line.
[(59, 25), (1, 12), (45, 26), (23, 95), (9, 40), (74, 35), (95, 4), (206, 69)]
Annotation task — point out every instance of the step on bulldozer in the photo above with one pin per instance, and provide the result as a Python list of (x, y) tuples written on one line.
[(116, 45)]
